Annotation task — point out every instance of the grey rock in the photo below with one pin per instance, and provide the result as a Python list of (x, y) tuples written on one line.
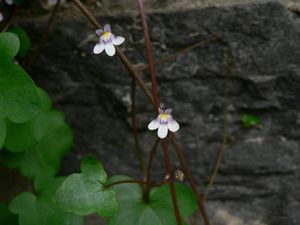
[(259, 179)]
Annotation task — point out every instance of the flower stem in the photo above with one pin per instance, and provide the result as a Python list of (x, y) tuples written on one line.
[(171, 181), (133, 181), (225, 131), (138, 149), (9, 21), (44, 36), (180, 52), (120, 53), (148, 171), (190, 179), (149, 54), (156, 106)]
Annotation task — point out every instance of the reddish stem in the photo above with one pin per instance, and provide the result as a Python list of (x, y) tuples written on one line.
[(156, 106), (134, 74), (44, 36), (149, 54), (190, 179), (171, 181)]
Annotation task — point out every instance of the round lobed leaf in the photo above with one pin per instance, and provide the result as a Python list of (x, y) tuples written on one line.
[(158, 211), (84, 193), (40, 209), (25, 42), (9, 45)]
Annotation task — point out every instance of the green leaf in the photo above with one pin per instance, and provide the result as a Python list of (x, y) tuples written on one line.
[(19, 97), (159, 210), (250, 120), (6, 217), (43, 159), (25, 42), (2, 132), (40, 209), (85, 194), (46, 102), (9, 45), (21, 136)]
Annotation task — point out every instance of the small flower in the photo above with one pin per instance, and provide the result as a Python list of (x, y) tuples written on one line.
[(8, 2), (107, 41), (163, 123)]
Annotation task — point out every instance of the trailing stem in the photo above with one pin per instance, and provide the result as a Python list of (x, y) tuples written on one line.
[(138, 149), (179, 53), (148, 171), (153, 184), (225, 130), (9, 21), (44, 36), (135, 75), (156, 106), (190, 179)]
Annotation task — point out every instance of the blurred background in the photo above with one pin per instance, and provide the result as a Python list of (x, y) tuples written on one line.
[(259, 179)]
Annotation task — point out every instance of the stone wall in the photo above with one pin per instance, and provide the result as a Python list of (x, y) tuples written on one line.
[(259, 178)]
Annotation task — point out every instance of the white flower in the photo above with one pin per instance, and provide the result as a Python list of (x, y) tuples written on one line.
[(107, 41), (8, 2), (163, 123)]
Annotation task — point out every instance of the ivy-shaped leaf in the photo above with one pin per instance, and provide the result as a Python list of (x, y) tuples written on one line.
[(9, 45), (158, 211), (40, 209), (25, 42), (85, 193), (19, 97), (6, 217), (43, 159), (21, 136)]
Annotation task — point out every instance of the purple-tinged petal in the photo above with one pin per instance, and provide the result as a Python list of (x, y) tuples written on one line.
[(110, 49), (118, 40), (9, 2), (168, 111), (173, 126), (154, 124), (162, 131), (160, 111), (98, 48), (99, 32), (1, 17), (107, 28)]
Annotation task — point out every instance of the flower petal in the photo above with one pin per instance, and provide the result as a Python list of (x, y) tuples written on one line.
[(98, 48), (1, 17), (99, 32), (110, 49), (9, 2), (168, 111), (173, 126), (118, 40), (154, 124), (107, 28), (162, 131)]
